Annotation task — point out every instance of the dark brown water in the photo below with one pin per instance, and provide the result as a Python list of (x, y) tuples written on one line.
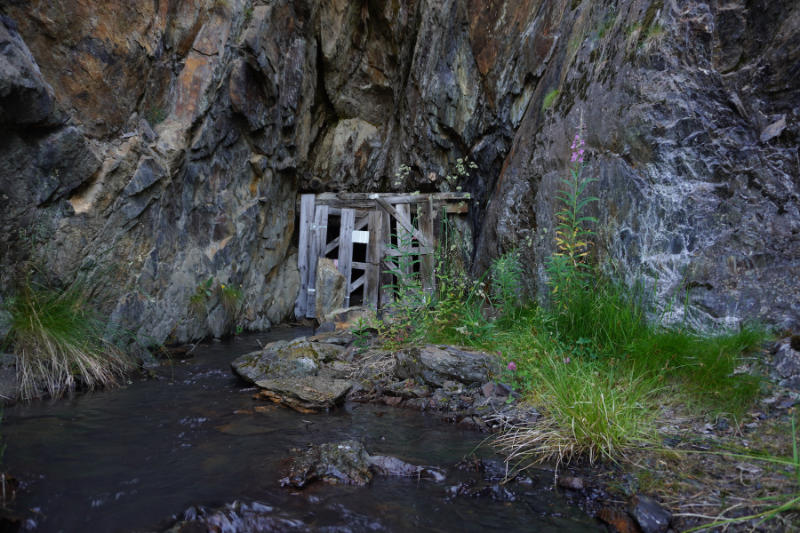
[(131, 458)]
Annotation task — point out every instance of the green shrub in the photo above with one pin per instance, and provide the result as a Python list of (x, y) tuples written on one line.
[(60, 342)]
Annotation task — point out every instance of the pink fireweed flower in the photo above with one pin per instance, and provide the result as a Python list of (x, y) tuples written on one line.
[(567, 360), (577, 149), (512, 366)]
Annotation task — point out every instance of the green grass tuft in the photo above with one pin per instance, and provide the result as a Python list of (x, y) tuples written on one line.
[(60, 342), (549, 99)]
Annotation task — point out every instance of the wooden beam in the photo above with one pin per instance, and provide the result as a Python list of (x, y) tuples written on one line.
[(346, 250), (306, 220), (320, 234), (387, 279), (374, 248), (404, 240), (366, 201), (359, 282), (426, 262), (424, 240)]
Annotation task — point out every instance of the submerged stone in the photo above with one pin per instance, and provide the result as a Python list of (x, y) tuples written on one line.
[(305, 394)]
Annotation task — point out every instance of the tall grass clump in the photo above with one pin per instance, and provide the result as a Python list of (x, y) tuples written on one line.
[(588, 412), (61, 342)]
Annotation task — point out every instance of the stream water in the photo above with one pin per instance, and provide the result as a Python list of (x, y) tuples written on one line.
[(132, 458)]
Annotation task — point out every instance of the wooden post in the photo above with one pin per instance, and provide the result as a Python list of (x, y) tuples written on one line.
[(404, 244), (386, 276), (426, 258), (306, 221), (318, 238), (347, 224), (373, 279)]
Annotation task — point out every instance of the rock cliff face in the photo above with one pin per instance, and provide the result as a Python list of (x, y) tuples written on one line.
[(150, 146)]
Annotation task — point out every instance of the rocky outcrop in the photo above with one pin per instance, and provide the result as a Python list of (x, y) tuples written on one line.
[(435, 365), (349, 463), (152, 147), (688, 116)]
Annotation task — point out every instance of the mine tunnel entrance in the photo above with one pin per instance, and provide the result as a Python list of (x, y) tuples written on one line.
[(373, 238)]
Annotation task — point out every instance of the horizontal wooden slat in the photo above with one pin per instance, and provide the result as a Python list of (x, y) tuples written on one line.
[(364, 201), (394, 252), (359, 265)]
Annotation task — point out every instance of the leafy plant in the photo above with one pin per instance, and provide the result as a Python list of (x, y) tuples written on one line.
[(568, 267), (462, 170), (230, 296), (506, 283), (198, 302), (549, 99), (61, 342)]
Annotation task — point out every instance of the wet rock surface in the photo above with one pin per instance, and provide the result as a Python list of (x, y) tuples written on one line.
[(436, 365), (649, 514), (786, 363), (307, 394), (299, 374), (349, 463)]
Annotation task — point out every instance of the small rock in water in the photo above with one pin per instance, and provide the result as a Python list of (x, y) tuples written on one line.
[(348, 463), (570, 482), (649, 514)]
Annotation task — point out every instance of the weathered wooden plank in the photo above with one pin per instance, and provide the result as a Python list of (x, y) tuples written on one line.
[(426, 262), (318, 238), (306, 220), (389, 208), (372, 285), (331, 246), (357, 283), (459, 208), (366, 200), (361, 223), (360, 266), (337, 211), (387, 279), (346, 224), (405, 249), (410, 251)]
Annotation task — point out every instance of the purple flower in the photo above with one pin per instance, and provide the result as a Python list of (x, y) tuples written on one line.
[(567, 360), (577, 149), (512, 366)]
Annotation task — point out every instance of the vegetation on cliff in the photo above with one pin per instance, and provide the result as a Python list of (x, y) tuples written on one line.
[(61, 342)]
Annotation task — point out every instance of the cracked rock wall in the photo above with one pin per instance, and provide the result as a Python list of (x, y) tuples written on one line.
[(149, 146)]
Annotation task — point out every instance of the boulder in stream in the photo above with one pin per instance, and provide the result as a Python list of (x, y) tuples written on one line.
[(305, 394), (437, 364), (297, 358), (349, 463), (292, 374)]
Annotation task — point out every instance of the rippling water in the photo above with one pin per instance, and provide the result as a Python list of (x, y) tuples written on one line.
[(129, 459)]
